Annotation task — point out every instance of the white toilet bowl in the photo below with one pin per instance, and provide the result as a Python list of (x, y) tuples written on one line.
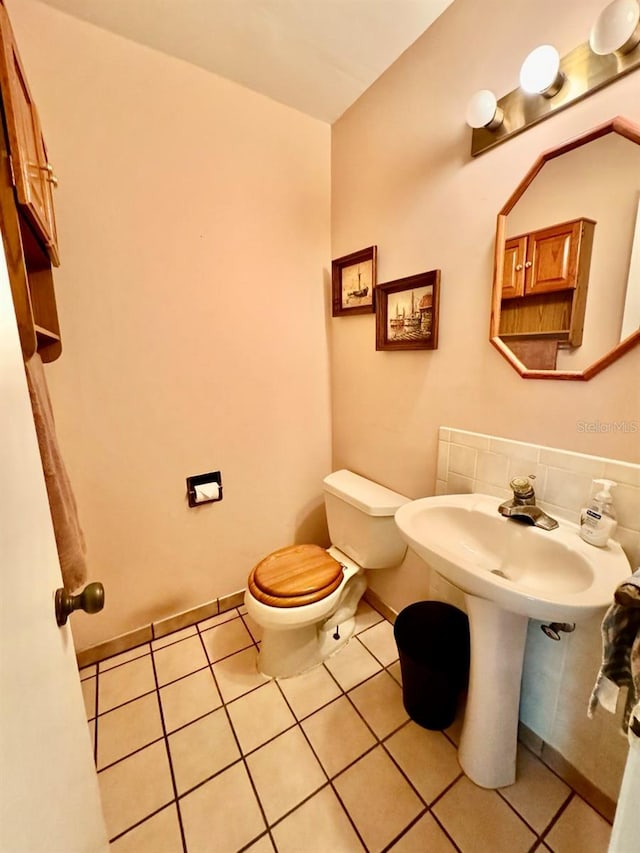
[(295, 639), (305, 598)]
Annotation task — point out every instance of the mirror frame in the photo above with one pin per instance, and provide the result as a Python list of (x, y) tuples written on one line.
[(619, 125)]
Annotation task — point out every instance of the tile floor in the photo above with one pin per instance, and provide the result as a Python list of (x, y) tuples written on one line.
[(198, 753)]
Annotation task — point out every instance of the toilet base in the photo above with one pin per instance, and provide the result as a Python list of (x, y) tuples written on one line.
[(287, 653)]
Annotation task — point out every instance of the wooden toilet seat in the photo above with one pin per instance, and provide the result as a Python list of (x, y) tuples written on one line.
[(294, 576)]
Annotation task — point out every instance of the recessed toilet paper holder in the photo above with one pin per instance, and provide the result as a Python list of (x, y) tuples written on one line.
[(214, 479)]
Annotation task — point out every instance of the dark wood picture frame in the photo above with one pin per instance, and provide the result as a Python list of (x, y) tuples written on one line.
[(407, 312), (353, 282)]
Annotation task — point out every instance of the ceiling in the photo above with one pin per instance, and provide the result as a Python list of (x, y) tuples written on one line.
[(317, 56)]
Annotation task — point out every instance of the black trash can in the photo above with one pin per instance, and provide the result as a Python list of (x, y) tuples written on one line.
[(433, 645)]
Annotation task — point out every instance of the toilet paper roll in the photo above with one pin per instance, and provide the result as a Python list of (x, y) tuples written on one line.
[(207, 492)]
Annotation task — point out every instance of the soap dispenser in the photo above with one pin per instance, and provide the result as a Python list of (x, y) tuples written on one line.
[(598, 520)]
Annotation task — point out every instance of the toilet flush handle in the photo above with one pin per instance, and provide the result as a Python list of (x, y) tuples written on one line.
[(91, 600)]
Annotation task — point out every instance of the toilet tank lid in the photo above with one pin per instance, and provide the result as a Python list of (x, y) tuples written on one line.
[(370, 497)]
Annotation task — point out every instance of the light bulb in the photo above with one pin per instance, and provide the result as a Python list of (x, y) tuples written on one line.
[(540, 72), (617, 28), (483, 110)]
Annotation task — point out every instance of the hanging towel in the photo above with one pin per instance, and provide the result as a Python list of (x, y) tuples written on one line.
[(64, 514), (620, 653)]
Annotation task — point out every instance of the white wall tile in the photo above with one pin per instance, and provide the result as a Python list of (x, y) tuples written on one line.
[(492, 468), (462, 460)]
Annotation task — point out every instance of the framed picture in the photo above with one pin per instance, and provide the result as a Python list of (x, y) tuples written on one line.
[(407, 312), (353, 280)]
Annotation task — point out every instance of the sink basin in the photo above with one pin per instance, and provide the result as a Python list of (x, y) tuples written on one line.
[(510, 572), (542, 574)]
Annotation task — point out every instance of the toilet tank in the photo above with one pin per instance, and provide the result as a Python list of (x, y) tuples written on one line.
[(360, 518)]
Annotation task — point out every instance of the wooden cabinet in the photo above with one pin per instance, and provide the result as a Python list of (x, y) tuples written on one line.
[(32, 172), (545, 281), (26, 206)]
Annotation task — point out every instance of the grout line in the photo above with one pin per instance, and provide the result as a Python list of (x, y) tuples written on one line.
[(168, 751), (235, 736)]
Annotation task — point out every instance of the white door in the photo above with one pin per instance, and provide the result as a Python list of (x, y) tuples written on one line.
[(49, 798)]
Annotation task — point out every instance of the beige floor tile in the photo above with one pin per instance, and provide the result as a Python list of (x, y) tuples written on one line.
[(254, 629), (135, 787), (379, 700), (380, 642), (238, 674), (173, 637), (285, 772), (262, 845), (579, 829), (226, 639), (128, 728), (338, 735), (158, 834), (317, 826), (223, 814), (428, 759), (378, 798), (395, 672), (425, 835), (538, 793), (352, 664), (119, 685), (201, 749), (259, 716), (489, 825), (189, 698), (89, 696), (124, 657), (178, 659), (366, 616), (455, 729), (309, 691)]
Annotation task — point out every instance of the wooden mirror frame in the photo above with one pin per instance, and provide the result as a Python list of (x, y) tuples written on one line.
[(619, 125)]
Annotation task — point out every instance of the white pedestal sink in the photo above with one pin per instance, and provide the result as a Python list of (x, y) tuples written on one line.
[(509, 573)]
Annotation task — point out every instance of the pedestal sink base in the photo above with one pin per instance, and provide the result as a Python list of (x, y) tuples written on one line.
[(489, 738)]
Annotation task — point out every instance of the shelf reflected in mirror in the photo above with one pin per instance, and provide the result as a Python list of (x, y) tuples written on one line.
[(566, 294)]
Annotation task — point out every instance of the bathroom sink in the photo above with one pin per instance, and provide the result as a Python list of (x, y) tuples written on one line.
[(509, 573), (541, 574)]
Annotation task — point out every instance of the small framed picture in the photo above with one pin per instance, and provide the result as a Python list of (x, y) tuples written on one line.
[(353, 281), (407, 312)]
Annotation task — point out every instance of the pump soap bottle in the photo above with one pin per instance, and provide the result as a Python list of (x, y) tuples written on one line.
[(598, 520)]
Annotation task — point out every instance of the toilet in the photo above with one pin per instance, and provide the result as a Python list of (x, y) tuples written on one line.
[(305, 597)]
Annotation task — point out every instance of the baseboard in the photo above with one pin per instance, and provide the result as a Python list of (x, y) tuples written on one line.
[(550, 756), (378, 604), (132, 639)]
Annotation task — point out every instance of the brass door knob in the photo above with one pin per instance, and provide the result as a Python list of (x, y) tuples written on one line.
[(91, 600)]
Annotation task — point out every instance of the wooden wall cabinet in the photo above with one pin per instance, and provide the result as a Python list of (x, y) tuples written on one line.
[(545, 281), (26, 206)]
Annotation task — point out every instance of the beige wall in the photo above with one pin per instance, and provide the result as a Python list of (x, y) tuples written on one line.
[(194, 236), (402, 178)]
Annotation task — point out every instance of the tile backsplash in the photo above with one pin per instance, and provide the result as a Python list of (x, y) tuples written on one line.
[(473, 462)]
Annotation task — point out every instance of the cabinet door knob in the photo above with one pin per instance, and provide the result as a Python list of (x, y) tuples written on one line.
[(91, 600), (518, 267), (528, 264)]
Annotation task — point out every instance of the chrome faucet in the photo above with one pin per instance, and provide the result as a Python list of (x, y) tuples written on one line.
[(522, 505)]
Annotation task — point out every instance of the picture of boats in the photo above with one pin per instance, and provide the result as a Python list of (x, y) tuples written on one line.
[(410, 314), (357, 284)]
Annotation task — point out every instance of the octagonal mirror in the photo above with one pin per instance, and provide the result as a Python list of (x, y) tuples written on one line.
[(566, 291)]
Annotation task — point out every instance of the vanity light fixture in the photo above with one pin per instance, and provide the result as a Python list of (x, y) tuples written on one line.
[(549, 83), (483, 110), (617, 28), (540, 73)]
